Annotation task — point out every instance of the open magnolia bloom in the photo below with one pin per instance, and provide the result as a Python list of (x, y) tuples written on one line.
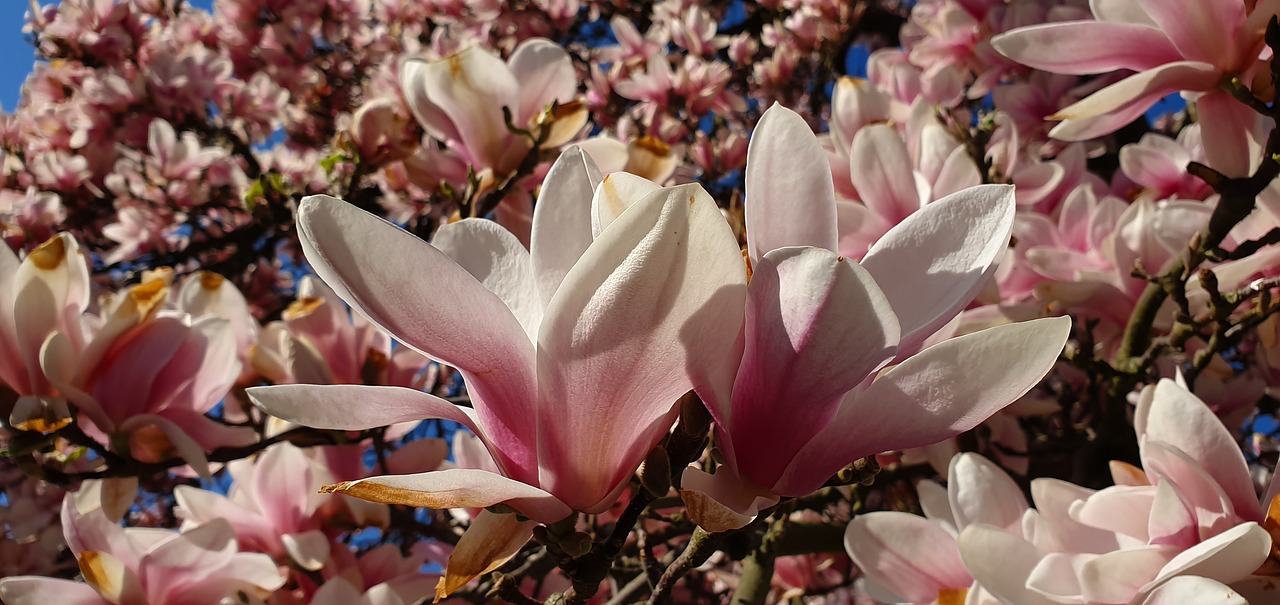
[(574, 354), (148, 566), (1173, 45), (809, 397)]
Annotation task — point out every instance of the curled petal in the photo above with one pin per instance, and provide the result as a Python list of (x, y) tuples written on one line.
[(489, 542), (456, 488)]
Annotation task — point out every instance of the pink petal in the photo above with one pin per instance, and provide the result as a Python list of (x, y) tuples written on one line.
[(282, 480), (855, 103), (1118, 104), (1174, 416), (456, 488), (932, 264), (790, 195), (562, 219), (412, 290), (497, 260), (197, 506), (1005, 574), (545, 75), (186, 558), (355, 407), (1227, 557), (309, 549), (1087, 47), (1054, 499), (981, 492), (1121, 509), (434, 120), (33, 590), (938, 393), (1198, 28), (1232, 144), (804, 307), (1213, 508), (1116, 577), (1172, 523), (652, 309), (881, 171), (911, 556)]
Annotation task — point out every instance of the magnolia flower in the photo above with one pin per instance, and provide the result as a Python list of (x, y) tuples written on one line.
[(146, 566), (44, 294), (574, 353), (460, 101), (809, 396), (148, 377), (1174, 45), (1189, 511)]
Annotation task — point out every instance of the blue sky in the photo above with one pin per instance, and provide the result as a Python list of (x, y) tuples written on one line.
[(17, 54)]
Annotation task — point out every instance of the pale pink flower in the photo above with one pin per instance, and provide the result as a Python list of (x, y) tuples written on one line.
[(783, 424), (148, 567), (460, 101), (626, 319), (147, 377), (1174, 45), (44, 294)]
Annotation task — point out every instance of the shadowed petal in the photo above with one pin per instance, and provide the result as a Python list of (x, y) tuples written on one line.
[(651, 310)]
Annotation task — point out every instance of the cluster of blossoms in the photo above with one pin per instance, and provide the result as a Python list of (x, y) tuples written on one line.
[(681, 311)]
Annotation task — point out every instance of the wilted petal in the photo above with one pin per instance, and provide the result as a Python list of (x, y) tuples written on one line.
[(790, 196), (489, 542), (456, 488), (933, 263), (911, 556), (651, 310), (721, 502)]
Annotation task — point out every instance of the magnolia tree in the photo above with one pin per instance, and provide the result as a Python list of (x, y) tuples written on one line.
[(586, 301)]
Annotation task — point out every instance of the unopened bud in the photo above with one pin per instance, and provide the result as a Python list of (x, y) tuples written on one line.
[(655, 472)]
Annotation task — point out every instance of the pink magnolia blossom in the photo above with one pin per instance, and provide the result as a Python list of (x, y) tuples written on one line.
[(147, 377), (801, 390), (149, 567), (460, 101), (1190, 511), (1174, 45), (574, 354)]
